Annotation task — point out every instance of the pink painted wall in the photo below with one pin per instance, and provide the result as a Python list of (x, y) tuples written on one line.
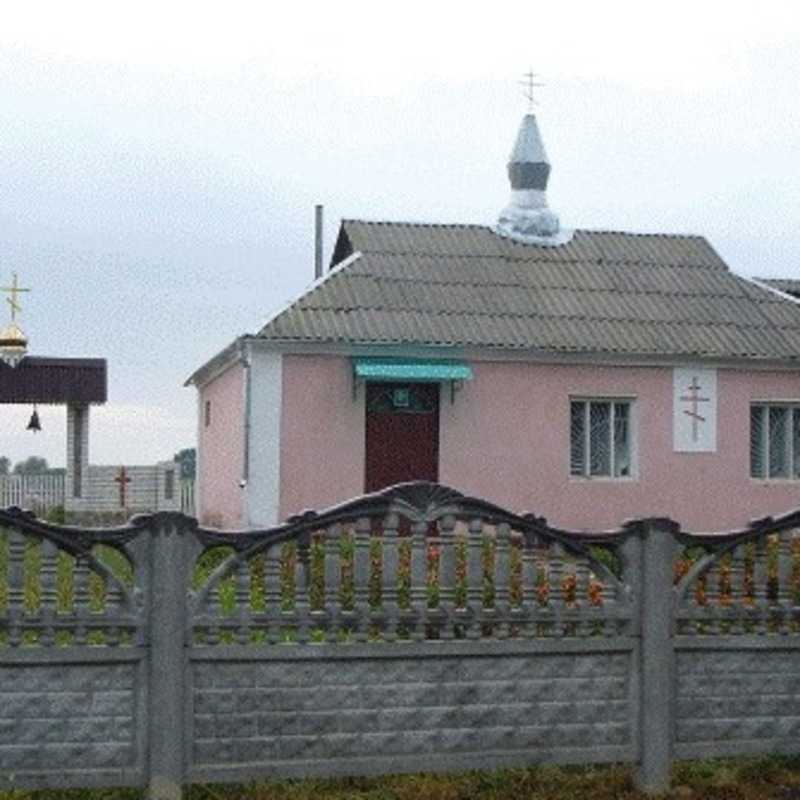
[(222, 450), (507, 438), (322, 434)]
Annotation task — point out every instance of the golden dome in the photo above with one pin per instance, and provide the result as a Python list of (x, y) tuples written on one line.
[(13, 344), (12, 336)]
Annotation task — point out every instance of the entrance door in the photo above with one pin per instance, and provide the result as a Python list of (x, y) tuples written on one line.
[(402, 433)]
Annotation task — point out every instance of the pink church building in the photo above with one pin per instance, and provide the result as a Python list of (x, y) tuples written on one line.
[(587, 376)]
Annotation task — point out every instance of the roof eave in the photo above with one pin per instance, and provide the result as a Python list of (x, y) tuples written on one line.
[(539, 355), (217, 363)]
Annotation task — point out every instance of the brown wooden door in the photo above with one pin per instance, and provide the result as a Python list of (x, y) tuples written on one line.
[(402, 433)]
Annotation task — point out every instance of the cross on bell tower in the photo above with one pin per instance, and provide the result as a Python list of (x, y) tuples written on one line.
[(14, 291), (13, 343)]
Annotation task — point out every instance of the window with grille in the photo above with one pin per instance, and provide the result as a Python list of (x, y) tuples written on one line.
[(600, 438), (775, 440)]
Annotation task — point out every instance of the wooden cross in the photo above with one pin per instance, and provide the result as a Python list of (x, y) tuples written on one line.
[(122, 479), (14, 290), (695, 399)]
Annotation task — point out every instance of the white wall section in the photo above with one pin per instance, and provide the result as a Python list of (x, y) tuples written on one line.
[(262, 494), (694, 409)]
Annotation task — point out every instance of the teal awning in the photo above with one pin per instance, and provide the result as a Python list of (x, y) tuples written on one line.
[(409, 369)]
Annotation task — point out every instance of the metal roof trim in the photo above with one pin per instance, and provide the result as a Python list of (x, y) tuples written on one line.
[(408, 369)]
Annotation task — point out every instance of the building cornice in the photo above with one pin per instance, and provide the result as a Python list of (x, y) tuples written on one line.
[(348, 349)]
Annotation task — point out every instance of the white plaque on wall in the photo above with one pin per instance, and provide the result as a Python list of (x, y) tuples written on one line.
[(694, 410)]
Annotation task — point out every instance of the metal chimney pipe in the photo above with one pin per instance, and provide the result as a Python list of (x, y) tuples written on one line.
[(317, 242)]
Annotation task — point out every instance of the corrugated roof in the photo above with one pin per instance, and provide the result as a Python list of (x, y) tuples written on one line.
[(602, 292)]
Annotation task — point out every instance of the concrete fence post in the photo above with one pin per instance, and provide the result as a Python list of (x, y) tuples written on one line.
[(167, 616), (656, 668)]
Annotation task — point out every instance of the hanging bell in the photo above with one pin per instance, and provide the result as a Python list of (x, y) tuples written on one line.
[(34, 424)]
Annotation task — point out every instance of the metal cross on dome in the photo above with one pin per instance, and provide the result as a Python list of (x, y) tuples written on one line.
[(529, 83), (14, 290)]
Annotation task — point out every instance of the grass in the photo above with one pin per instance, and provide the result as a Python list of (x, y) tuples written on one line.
[(762, 778)]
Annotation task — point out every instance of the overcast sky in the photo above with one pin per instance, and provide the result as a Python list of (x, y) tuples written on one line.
[(159, 166)]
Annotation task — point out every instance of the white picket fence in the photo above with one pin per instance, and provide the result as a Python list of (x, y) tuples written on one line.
[(38, 493), (187, 497)]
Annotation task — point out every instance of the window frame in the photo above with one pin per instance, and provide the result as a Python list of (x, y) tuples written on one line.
[(793, 412), (633, 450)]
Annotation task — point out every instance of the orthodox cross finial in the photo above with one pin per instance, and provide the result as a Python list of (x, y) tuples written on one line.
[(14, 290), (529, 83)]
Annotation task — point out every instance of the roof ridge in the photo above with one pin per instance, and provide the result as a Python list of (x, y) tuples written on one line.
[(414, 223), (601, 261), (491, 229)]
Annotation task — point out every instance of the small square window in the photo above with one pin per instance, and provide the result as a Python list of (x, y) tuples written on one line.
[(600, 438), (401, 397), (775, 440)]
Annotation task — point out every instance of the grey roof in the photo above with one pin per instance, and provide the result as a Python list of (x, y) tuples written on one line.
[(788, 285), (602, 292)]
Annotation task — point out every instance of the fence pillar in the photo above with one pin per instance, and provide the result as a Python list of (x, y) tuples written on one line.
[(656, 653), (167, 614)]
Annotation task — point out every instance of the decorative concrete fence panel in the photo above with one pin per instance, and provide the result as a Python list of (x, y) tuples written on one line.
[(412, 629), (73, 661), (736, 624)]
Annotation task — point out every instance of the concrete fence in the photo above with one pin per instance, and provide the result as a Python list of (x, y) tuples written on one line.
[(127, 490), (413, 629)]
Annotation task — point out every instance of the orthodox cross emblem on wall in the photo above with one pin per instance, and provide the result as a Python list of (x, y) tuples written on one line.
[(123, 480), (694, 415), (694, 399)]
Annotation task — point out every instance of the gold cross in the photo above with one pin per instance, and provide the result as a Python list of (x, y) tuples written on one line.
[(528, 85), (14, 290)]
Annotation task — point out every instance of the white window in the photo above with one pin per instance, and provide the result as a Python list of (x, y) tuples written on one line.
[(600, 438), (775, 440)]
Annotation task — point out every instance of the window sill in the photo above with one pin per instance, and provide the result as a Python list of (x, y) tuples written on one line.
[(602, 479), (775, 481)]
